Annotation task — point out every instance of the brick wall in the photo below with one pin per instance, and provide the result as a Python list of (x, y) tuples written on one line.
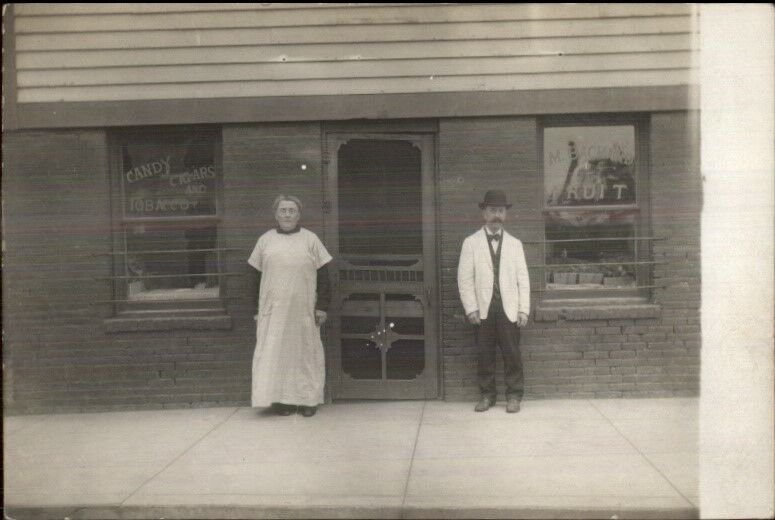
[(55, 197), (260, 162), (476, 155), (58, 352), (676, 203), (589, 353)]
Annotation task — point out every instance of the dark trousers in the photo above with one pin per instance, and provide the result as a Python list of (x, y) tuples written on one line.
[(497, 329)]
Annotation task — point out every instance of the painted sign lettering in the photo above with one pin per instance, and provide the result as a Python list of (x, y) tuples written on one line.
[(589, 166), (170, 175), (156, 168), (156, 188)]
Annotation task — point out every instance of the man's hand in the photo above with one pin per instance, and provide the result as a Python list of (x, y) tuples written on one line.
[(320, 317), (521, 319), (473, 318)]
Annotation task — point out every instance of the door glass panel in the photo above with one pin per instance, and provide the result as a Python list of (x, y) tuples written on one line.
[(380, 197), (414, 326), (359, 325), (405, 359), (405, 317), (361, 359)]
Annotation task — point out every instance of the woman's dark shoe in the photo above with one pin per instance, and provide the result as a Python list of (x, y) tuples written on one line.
[(281, 409), (308, 411)]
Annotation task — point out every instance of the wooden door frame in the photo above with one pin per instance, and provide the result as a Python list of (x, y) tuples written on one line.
[(423, 136)]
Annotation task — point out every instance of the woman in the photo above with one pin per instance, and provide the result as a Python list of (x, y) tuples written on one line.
[(288, 364)]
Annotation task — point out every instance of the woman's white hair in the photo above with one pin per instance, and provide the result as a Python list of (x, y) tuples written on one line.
[(282, 198)]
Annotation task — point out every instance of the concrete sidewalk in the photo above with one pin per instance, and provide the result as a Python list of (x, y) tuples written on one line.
[(633, 458)]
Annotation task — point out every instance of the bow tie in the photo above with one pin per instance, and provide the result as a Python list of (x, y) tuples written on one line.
[(494, 237)]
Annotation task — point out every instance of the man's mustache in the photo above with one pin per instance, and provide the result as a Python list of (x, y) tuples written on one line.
[(496, 219)]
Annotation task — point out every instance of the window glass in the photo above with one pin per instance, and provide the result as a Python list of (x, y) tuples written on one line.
[(591, 214), (171, 262), (590, 250), (169, 175), (169, 243), (589, 166)]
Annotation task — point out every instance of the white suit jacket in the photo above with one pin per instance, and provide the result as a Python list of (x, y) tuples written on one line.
[(475, 276)]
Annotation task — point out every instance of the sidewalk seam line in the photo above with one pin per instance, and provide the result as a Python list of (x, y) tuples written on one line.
[(174, 460), (414, 450), (643, 455)]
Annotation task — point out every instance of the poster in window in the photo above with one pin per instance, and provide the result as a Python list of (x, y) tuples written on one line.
[(589, 166), (169, 176)]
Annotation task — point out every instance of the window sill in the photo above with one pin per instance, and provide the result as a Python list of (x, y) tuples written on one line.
[(159, 323), (610, 308)]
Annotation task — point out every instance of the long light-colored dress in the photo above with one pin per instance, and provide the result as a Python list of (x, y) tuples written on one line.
[(288, 363)]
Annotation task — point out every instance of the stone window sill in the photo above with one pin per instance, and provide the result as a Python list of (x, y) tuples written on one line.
[(610, 309), (161, 323)]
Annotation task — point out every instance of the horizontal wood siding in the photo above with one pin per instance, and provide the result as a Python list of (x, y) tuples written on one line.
[(121, 52)]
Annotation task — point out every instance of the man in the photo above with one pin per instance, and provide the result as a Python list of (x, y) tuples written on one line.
[(495, 290)]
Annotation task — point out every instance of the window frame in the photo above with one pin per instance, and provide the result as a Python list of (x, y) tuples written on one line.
[(641, 207), (172, 308)]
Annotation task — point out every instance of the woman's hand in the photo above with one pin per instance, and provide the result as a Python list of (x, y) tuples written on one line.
[(320, 317)]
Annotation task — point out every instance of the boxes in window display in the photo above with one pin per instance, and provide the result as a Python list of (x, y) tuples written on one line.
[(565, 278), (591, 278), (570, 278), (619, 281)]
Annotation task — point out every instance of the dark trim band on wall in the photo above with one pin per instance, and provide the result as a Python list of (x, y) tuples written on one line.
[(362, 106), (9, 69)]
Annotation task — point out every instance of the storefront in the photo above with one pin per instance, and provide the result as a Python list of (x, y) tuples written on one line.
[(144, 145)]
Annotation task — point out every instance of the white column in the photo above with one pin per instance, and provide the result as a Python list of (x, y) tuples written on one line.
[(736, 407)]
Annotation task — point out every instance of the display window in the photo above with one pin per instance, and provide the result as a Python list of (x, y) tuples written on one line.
[(595, 213), (167, 246)]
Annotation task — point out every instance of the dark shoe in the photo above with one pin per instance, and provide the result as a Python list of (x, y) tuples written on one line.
[(308, 411), (281, 409), (483, 405), (512, 406)]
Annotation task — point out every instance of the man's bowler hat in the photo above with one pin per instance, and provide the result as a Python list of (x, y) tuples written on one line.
[(494, 198)]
